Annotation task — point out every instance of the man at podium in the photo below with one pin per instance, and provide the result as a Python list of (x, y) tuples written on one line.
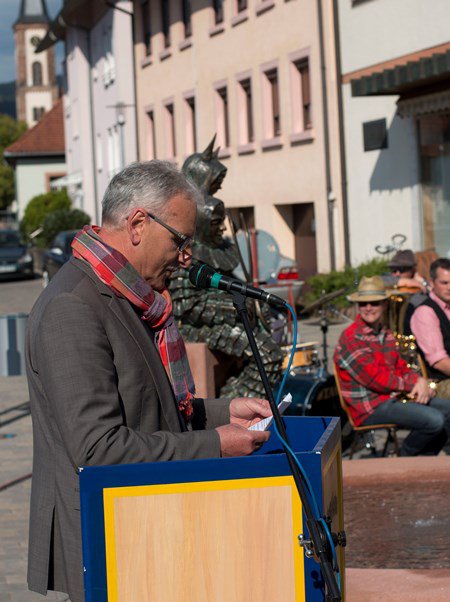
[(107, 369)]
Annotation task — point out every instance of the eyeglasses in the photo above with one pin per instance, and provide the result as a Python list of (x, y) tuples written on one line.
[(183, 241), (401, 269), (372, 303)]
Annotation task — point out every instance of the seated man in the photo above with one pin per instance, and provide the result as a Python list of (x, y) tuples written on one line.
[(373, 376), (403, 272), (430, 323)]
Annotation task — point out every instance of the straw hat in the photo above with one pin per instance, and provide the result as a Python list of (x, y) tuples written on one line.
[(403, 259), (370, 289)]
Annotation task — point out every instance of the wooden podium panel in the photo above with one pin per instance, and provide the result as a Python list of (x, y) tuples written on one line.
[(215, 540), (217, 530)]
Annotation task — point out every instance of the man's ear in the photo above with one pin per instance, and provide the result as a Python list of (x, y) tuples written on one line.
[(135, 226)]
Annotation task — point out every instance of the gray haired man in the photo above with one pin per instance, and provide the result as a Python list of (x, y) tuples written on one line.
[(108, 376)]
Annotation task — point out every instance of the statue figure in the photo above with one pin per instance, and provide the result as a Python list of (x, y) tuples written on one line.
[(208, 315)]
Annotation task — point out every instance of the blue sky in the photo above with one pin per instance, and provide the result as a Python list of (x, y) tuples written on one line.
[(9, 10)]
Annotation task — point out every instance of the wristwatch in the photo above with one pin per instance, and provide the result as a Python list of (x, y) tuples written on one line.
[(432, 384)]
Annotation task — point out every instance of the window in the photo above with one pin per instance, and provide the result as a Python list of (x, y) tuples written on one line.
[(218, 11), (186, 10), (223, 126), (271, 100), (245, 111), (302, 67), (301, 107), (171, 149), (151, 140), (165, 17), (190, 125), (38, 112), (146, 27), (109, 64), (37, 73), (99, 153), (113, 151), (241, 5)]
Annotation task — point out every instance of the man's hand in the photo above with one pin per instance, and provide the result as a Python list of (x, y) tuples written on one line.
[(421, 392), (246, 411), (236, 440)]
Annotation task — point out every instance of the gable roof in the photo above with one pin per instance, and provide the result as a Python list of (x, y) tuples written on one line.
[(46, 138)]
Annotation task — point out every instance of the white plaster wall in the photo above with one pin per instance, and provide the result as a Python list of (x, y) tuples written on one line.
[(379, 30), (115, 55), (265, 178), (31, 178), (384, 185), (36, 99), (77, 119), (31, 57)]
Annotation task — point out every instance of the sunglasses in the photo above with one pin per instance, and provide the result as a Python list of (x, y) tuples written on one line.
[(401, 270), (372, 303)]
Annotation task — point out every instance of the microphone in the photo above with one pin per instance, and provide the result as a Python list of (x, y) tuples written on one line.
[(203, 276)]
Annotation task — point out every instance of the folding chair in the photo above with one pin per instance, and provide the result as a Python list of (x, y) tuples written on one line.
[(360, 431)]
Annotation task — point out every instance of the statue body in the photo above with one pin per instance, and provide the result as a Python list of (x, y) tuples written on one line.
[(208, 315)]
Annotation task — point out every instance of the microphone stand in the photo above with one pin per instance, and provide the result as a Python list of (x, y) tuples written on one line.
[(317, 546)]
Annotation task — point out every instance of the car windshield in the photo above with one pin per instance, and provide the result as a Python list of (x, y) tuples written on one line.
[(9, 239)]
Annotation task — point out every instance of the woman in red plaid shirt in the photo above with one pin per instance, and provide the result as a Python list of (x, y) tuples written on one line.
[(373, 375)]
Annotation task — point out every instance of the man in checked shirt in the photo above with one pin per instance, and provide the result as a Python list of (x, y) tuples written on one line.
[(374, 377)]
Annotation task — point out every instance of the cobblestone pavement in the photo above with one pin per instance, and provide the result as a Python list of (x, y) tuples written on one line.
[(16, 452)]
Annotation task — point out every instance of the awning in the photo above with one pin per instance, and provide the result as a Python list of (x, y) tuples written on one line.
[(439, 102), (402, 79), (74, 13), (71, 179)]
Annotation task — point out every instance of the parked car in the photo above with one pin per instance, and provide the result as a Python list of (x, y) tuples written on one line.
[(15, 256), (59, 252), (276, 273)]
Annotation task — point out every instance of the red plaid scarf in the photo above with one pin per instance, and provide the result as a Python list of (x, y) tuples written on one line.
[(115, 271)]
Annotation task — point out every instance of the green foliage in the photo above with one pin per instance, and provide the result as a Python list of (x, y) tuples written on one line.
[(63, 219), (348, 278), (10, 131), (7, 189), (37, 210)]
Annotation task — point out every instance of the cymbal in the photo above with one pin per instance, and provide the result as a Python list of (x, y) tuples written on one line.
[(323, 300)]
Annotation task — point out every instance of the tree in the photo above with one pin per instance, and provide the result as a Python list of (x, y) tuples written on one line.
[(63, 219), (10, 131), (38, 209), (7, 189)]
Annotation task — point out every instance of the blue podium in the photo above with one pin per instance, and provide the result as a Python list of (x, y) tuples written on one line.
[(221, 530)]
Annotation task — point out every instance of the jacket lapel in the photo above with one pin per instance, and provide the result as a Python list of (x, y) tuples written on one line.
[(127, 316)]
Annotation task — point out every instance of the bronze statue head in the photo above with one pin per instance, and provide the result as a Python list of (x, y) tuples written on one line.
[(210, 222), (205, 169)]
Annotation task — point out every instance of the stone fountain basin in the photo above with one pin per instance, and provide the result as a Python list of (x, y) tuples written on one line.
[(397, 519)]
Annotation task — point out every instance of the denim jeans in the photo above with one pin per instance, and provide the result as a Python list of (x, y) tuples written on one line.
[(429, 424)]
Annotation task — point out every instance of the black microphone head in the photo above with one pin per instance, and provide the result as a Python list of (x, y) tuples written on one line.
[(200, 275)]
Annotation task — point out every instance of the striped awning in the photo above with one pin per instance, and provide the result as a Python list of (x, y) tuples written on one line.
[(405, 78)]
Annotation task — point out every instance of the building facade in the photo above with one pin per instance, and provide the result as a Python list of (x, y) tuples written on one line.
[(36, 88), (262, 77), (99, 99), (396, 104), (38, 157)]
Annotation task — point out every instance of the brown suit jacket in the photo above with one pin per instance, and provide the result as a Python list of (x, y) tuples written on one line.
[(99, 395)]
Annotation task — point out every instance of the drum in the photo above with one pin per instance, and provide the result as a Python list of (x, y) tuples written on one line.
[(306, 355), (316, 395)]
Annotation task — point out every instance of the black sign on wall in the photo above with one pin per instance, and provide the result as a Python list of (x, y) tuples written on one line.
[(375, 134)]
